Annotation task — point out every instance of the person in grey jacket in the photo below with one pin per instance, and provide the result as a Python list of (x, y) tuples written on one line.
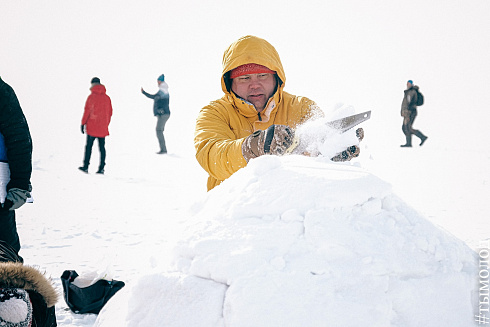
[(161, 110), (15, 163), (409, 112)]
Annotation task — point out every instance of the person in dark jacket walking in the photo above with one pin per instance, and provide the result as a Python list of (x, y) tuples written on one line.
[(95, 122), (161, 110), (409, 112), (15, 163)]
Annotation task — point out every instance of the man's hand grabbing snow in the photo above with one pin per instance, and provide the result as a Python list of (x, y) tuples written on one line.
[(274, 140)]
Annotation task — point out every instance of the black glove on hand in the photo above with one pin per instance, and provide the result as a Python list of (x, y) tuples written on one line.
[(15, 199), (82, 128), (352, 151), (274, 140)]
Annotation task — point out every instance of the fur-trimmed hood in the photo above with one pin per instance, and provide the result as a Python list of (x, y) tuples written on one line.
[(16, 275)]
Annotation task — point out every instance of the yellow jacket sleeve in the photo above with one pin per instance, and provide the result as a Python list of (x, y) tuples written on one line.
[(218, 145)]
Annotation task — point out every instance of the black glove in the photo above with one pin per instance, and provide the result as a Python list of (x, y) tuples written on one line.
[(274, 140), (82, 128), (15, 199)]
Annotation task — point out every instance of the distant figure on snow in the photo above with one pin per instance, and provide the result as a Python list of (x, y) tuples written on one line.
[(15, 163), (409, 112), (95, 122), (161, 110)]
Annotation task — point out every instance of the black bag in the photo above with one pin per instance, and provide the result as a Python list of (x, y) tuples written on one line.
[(88, 299)]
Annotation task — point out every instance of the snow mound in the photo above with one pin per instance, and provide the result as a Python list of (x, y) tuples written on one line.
[(289, 240)]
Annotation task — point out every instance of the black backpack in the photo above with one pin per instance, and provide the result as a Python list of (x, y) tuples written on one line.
[(420, 98)]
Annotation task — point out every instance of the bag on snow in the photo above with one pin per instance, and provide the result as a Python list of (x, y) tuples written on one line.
[(88, 299)]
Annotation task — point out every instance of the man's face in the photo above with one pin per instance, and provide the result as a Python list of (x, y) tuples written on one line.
[(409, 85), (255, 88)]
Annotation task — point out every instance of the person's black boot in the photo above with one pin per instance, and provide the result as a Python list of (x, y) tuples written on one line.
[(423, 138), (84, 169), (408, 143)]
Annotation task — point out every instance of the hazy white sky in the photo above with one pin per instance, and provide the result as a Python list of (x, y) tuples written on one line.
[(351, 51)]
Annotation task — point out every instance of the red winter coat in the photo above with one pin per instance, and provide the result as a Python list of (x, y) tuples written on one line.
[(98, 112)]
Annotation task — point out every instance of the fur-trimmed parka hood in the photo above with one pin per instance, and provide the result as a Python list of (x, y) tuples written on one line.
[(17, 275)]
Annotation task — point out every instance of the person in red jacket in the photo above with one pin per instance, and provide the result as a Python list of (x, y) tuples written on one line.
[(95, 122)]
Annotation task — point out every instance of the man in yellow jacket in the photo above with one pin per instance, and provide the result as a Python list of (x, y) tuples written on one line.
[(254, 117)]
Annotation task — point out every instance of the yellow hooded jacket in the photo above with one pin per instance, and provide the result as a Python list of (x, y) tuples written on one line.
[(223, 125)]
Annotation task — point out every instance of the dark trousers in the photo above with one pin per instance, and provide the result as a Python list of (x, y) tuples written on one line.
[(88, 151), (8, 229), (408, 129)]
